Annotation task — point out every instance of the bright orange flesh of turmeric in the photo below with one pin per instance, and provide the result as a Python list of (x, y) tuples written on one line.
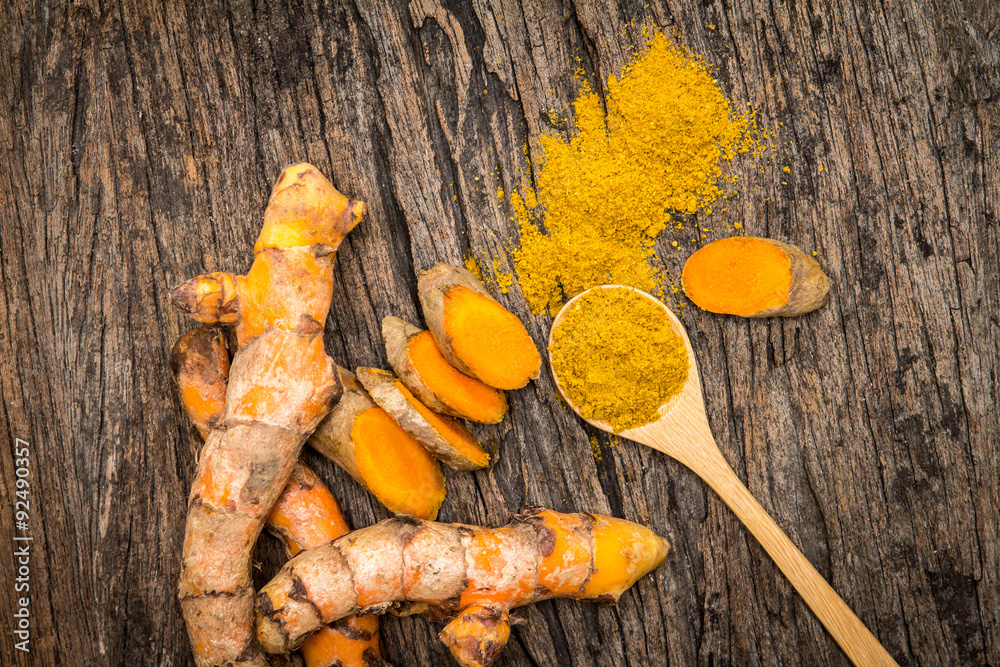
[(327, 647), (738, 276), (475, 400), (623, 552), (399, 471), (489, 339), (449, 429)]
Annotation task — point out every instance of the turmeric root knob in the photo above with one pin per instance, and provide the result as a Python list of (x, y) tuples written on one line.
[(305, 222), (474, 332), (200, 364), (477, 635), (754, 277)]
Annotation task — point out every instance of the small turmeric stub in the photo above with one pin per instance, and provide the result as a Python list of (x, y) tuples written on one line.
[(617, 357)]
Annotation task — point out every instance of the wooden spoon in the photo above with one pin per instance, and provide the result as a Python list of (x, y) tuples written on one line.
[(683, 432)]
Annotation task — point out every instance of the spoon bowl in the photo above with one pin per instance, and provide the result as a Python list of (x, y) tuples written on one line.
[(681, 417), (683, 432)]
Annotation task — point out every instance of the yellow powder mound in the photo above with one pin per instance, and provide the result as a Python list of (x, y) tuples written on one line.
[(617, 357), (609, 192)]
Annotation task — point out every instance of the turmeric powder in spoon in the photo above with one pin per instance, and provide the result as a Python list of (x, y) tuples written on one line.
[(617, 357)]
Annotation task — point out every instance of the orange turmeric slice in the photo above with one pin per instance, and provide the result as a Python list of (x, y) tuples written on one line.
[(365, 441), (446, 438), (476, 334), (395, 467), (754, 277), (422, 368)]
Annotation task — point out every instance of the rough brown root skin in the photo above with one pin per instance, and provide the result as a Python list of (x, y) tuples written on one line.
[(477, 635), (392, 465), (281, 385), (445, 438), (306, 514), (200, 364), (416, 359), (754, 277), (451, 567), (474, 332)]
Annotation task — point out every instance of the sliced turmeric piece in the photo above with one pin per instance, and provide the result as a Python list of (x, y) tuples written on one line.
[(421, 367), (480, 573), (446, 438), (754, 277), (364, 440), (476, 334)]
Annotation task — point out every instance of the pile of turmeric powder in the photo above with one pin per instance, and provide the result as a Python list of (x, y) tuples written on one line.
[(626, 175), (617, 357)]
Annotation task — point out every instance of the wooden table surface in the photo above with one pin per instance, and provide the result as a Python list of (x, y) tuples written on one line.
[(138, 144)]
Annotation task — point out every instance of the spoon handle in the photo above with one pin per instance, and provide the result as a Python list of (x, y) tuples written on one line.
[(854, 638)]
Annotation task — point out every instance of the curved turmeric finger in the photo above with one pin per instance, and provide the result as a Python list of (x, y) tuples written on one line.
[(306, 514), (281, 385), (451, 568)]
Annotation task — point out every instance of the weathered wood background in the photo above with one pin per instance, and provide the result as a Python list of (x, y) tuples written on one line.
[(138, 144)]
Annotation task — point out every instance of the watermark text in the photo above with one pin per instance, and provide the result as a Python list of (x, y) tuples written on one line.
[(22, 545)]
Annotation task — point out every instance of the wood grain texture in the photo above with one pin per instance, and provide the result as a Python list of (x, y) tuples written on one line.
[(139, 141)]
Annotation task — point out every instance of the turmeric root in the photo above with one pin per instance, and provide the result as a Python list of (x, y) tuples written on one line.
[(480, 573), (754, 277), (306, 514), (418, 362), (200, 364), (447, 439), (291, 277), (364, 440), (281, 385), (475, 333)]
